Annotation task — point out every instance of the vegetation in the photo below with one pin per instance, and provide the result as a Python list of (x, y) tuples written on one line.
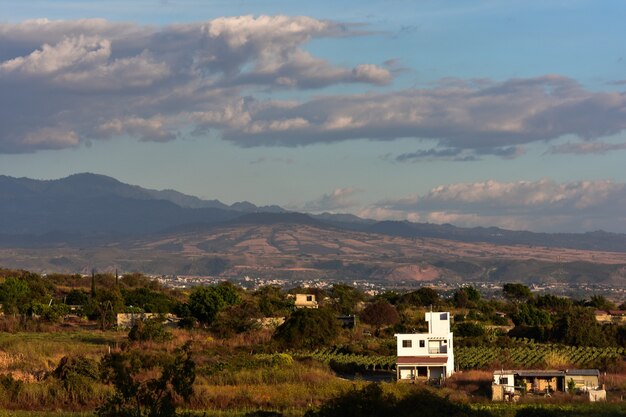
[(60, 350)]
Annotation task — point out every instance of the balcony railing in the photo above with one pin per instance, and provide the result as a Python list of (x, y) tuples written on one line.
[(442, 349)]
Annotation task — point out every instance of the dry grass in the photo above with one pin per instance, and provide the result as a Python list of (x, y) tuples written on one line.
[(471, 383)]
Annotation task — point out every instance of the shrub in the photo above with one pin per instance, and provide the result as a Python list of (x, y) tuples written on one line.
[(152, 330), (308, 328), (77, 374)]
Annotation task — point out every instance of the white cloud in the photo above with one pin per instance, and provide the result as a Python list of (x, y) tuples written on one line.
[(542, 205), (339, 199), (217, 76), (98, 79)]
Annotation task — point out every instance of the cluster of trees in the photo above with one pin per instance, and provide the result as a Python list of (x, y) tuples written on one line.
[(226, 309)]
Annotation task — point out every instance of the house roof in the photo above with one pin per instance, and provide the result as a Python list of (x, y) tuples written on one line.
[(548, 373), (422, 360), (583, 372)]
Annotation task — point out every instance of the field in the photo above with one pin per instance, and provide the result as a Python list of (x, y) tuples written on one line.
[(233, 380), (524, 354)]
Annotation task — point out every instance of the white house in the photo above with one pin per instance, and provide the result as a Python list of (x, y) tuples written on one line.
[(427, 356)]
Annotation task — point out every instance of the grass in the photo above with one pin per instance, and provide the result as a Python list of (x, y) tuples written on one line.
[(34, 353)]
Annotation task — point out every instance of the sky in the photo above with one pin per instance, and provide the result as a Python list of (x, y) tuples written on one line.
[(507, 113)]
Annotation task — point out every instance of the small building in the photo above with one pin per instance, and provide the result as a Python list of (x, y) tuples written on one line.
[(426, 356), (305, 301), (610, 316), (128, 320), (348, 322), (512, 383)]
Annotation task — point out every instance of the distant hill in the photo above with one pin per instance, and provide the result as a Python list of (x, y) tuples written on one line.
[(88, 207), (101, 205)]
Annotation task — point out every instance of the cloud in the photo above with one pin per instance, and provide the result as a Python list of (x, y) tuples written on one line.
[(458, 155), (339, 199), (584, 148), (99, 79), (542, 205), (481, 116)]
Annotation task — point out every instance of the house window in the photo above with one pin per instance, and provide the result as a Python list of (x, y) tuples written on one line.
[(422, 343), (504, 381), (309, 298), (407, 343), (444, 316)]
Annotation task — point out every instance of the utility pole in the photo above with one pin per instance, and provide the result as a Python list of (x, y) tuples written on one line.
[(93, 282)]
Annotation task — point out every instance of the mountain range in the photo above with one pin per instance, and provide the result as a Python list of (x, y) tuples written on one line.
[(86, 220), (90, 206)]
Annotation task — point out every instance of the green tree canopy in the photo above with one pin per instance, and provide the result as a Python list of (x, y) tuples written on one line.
[(308, 329), (380, 313), (272, 301), (206, 302), (466, 296), (345, 298), (150, 301), (578, 327), (14, 293), (529, 315), (516, 292), (423, 297)]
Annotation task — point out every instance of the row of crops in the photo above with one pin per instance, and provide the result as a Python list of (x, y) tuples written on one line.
[(524, 355)]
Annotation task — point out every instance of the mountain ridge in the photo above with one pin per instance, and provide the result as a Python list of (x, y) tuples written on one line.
[(87, 204)]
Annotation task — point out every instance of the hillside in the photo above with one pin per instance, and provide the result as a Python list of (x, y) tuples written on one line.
[(85, 221)]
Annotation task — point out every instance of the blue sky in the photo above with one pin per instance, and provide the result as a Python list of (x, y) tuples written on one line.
[(505, 113)]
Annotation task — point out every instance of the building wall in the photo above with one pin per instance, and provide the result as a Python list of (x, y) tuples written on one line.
[(305, 301), (438, 322), (438, 342)]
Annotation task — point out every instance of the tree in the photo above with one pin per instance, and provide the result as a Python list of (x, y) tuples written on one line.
[(345, 298), (423, 297), (104, 307), (466, 296), (529, 315), (14, 293), (380, 313), (149, 300), (272, 302), (599, 302), (552, 302), (136, 396), (308, 329), (77, 297), (578, 327), (235, 319), (206, 302), (469, 329), (144, 330), (516, 292)]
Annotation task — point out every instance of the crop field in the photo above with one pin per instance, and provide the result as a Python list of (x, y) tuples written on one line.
[(524, 355)]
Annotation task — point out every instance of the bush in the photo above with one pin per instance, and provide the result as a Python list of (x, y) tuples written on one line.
[(10, 386), (152, 330), (371, 401), (77, 374), (308, 329)]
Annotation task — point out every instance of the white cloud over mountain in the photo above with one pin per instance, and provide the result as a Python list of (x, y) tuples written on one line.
[(543, 205), (339, 199)]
